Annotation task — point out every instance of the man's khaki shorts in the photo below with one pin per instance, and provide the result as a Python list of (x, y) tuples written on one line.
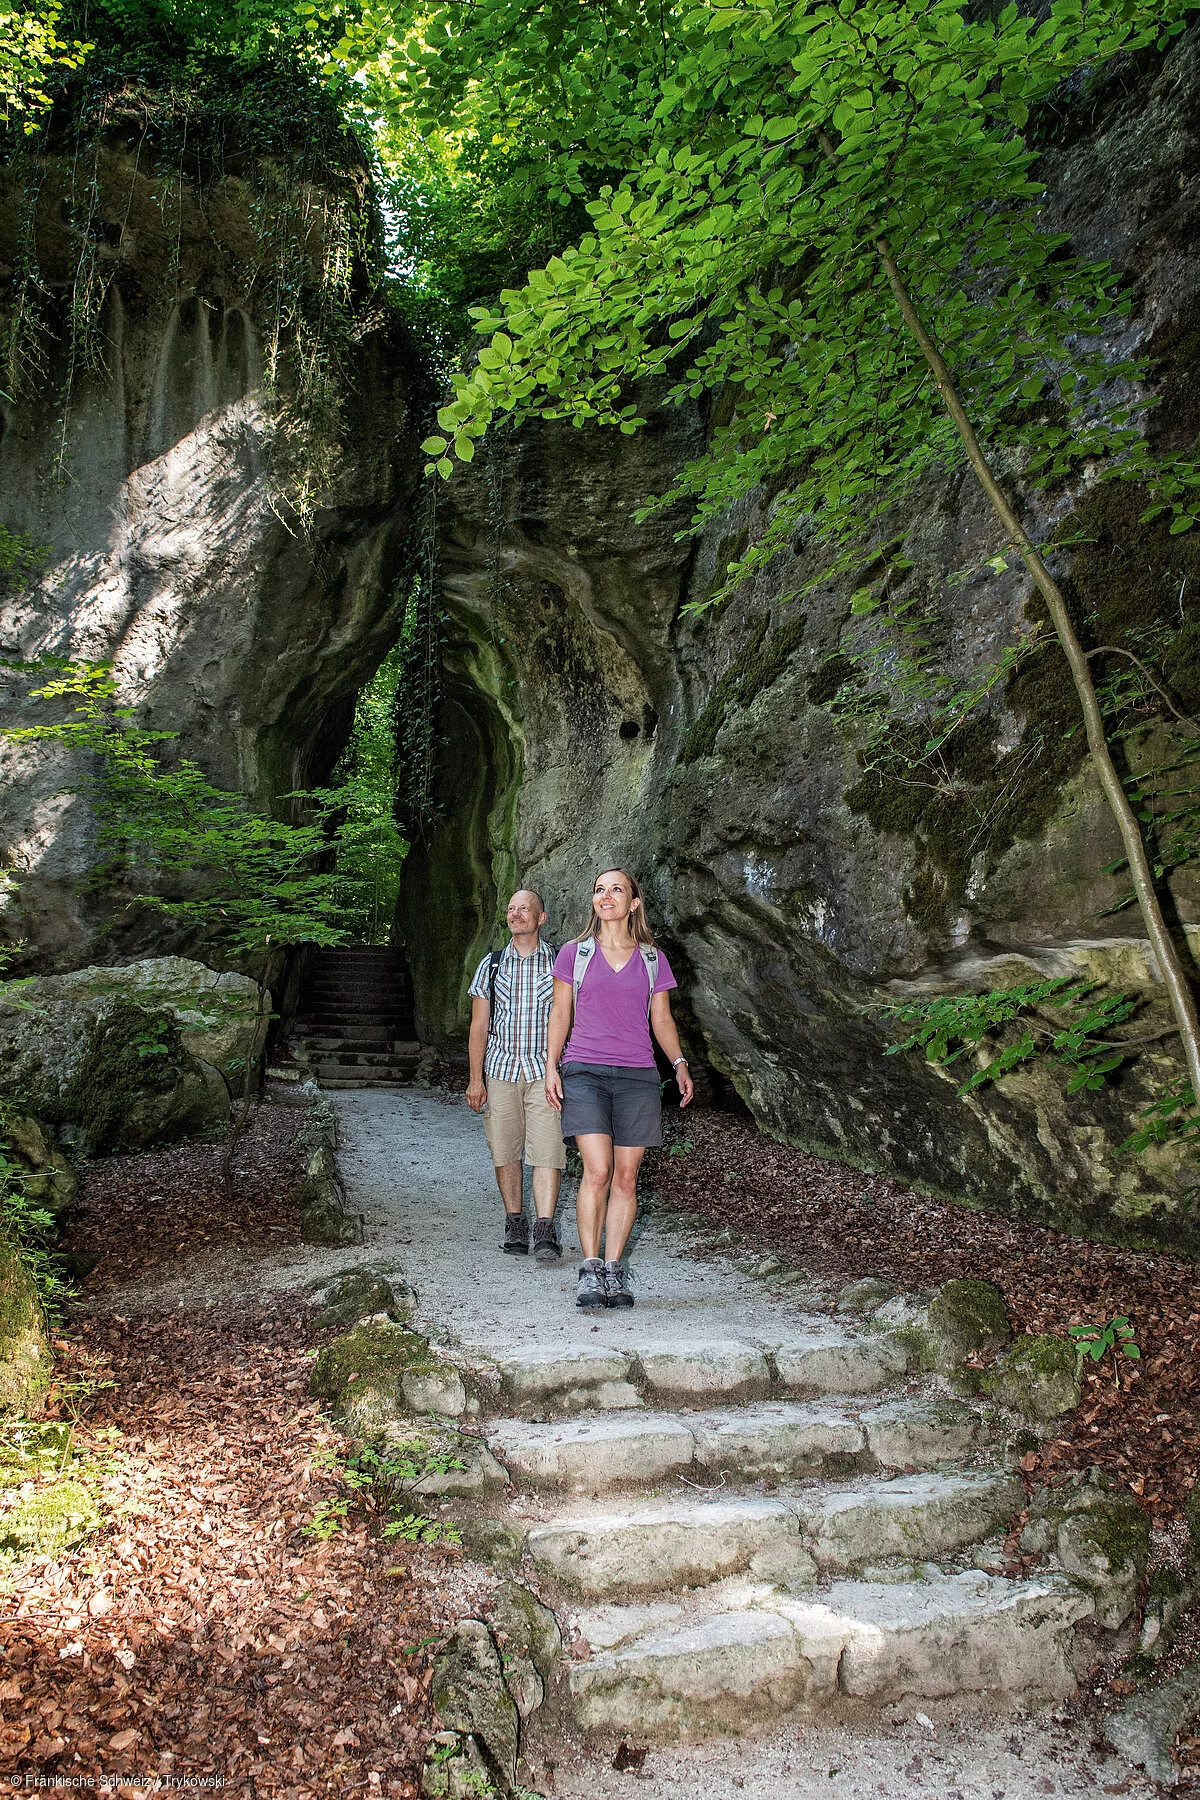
[(518, 1117)]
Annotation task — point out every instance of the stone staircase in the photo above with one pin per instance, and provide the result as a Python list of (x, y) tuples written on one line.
[(354, 1025), (735, 1533)]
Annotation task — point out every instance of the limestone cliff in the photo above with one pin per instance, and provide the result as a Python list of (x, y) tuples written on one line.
[(208, 448), (588, 720)]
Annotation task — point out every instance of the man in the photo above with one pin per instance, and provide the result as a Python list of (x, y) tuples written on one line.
[(511, 996)]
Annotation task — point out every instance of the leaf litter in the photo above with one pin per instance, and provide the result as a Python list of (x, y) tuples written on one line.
[(202, 1636)]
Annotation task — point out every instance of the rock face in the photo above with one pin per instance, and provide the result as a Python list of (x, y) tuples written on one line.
[(589, 720), (223, 529)]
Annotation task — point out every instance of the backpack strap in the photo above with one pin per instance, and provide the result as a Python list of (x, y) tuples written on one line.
[(493, 970), (584, 951), (650, 958)]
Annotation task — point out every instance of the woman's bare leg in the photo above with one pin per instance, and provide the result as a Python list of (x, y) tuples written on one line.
[(622, 1200), (596, 1151)]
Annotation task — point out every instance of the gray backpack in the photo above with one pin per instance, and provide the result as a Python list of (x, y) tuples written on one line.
[(584, 951)]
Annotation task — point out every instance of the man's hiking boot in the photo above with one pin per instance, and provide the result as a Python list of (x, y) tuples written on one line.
[(546, 1248), (590, 1291), (516, 1235), (616, 1285)]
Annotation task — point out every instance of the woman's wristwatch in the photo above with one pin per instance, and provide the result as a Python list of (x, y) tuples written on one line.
[(678, 1060)]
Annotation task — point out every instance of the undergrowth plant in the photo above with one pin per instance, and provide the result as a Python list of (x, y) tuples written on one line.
[(31, 1231), (377, 1477), (1095, 1342)]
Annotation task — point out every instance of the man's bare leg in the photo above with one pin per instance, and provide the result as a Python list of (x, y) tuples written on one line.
[(546, 1183), (509, 1181)]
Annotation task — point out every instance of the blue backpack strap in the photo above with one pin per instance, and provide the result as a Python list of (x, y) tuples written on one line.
[(650, 958)]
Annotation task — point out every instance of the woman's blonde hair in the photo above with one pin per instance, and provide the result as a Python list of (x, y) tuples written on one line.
[(642, 933)]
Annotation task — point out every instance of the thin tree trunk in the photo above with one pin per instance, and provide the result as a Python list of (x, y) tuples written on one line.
[(1183, 1001), (242, 1123)]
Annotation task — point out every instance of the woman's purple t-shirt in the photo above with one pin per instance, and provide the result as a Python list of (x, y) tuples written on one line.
[(611, 1023)]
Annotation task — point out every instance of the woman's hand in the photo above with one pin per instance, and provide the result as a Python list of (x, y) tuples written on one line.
[(554, 1093), (686, 1089)]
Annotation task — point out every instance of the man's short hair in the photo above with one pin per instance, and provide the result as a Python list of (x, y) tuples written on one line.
[(536, 895)]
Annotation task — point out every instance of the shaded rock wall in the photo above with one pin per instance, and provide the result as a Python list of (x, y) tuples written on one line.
[(717, 756), (161, 491)]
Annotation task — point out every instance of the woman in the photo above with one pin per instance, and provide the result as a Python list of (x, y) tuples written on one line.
[(610, 991)]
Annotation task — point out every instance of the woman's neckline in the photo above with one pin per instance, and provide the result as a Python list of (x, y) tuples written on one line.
[(616, 969)]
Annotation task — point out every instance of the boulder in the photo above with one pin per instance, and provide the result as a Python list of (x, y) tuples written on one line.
[(24, 1351), (323, 1215), (964, 1318), (358, 1294), (472, 1699), (47, 1178), (379, 1372), (865, 1295), (1038, 1377), (106, 1067), (1101, 1537), (1144, 1729)]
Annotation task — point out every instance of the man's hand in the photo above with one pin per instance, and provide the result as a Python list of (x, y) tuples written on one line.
[(476, 1094), (554, 1093)]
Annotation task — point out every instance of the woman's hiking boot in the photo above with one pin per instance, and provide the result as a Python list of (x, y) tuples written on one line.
[(516, 1234), (591, 1289), (546, 1248), (616, 1285)]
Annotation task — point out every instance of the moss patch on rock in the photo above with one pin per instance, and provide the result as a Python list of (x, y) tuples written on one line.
[(964, 1318), (761, 662), (1039, 1377), (379, 1372)]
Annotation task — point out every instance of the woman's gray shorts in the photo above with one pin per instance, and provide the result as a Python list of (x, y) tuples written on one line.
[(624, 1104)]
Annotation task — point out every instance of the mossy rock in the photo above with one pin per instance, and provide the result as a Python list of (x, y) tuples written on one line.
[(48, 1180), (964, 1318), (47, 1523), (1039, 1377), (359, 1294), (471, 1697), (493, 1541), (525, 1621), (379, 1373), (323, 1217), (24, 1351), (1107, 1549)]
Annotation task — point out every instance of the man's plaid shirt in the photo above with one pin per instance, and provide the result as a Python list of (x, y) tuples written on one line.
[(516, 1047)]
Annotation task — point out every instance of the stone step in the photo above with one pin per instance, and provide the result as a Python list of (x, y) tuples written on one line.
[(352, 1083), (638, 1449), (571, 1378), (766, 1654), (689, 1541)]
